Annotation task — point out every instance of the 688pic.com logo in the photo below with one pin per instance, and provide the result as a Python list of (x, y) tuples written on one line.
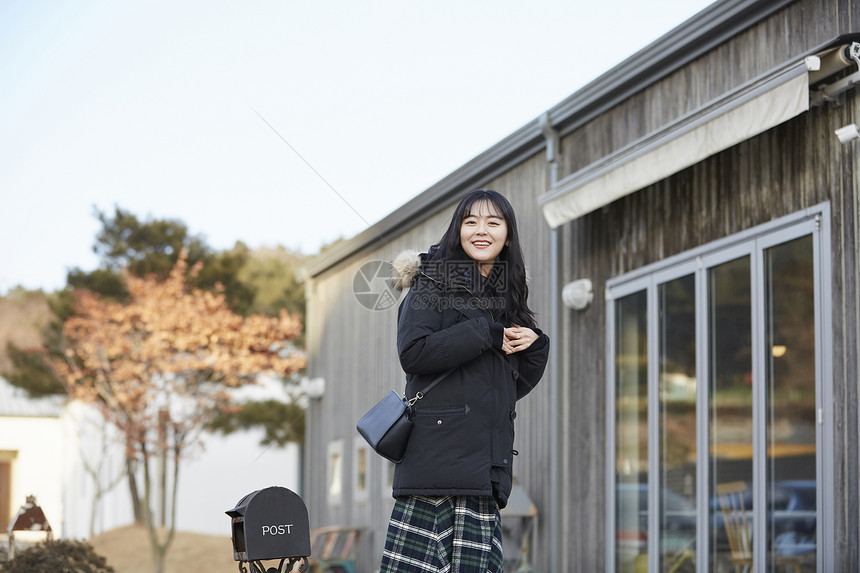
[(373, 286)]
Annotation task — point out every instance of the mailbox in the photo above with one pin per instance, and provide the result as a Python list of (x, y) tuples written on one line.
[(270, 523)]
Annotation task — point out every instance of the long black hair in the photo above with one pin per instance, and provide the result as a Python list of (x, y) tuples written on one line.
[(512, 284)]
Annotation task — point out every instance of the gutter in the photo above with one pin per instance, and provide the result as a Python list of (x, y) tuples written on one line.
[(557, 454)]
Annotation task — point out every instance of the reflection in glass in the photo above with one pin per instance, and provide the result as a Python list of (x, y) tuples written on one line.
[(631, 431), (790, 337), (730, 401), (677, 339)]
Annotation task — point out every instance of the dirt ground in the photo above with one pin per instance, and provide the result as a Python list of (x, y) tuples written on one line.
[(127, 551)]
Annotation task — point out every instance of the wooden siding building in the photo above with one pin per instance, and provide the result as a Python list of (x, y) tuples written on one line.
[(699, 187)]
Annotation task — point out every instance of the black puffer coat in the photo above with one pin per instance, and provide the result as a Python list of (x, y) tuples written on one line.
[(463, 433)]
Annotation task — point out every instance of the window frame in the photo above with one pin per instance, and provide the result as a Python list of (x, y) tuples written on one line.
[(361, 495), (814, 221), (335, 448)]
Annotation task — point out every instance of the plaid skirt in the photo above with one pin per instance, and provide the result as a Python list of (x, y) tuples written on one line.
[(450, 534)]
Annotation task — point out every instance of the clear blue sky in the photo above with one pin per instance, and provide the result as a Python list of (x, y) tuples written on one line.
[(156, 107)]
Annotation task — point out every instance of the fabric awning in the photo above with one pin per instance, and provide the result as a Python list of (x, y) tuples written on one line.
[(736, 117)]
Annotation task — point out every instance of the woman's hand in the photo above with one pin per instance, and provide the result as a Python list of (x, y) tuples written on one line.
[(518, 338)]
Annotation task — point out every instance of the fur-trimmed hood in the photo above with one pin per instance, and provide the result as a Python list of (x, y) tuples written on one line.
[(406, 265), (409, 264)]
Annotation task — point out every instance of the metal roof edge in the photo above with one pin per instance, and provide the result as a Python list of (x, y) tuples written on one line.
[(676, 48)]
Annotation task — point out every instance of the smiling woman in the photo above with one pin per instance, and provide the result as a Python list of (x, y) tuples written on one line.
[(467, 316)]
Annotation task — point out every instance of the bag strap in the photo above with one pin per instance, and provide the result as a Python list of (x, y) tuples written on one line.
[(420, 394)]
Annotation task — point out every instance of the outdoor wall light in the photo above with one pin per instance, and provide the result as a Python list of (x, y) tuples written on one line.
[(578, 294), (312, 387), (848, 133)]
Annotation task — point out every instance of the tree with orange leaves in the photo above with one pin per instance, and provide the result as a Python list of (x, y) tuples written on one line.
[(160, 366)]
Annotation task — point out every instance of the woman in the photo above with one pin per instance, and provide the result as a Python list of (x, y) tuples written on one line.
[(466, 315)]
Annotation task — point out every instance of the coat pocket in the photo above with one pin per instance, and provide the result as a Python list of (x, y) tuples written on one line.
[(452, 444)]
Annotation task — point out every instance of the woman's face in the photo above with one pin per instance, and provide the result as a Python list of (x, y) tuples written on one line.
[(483, 234)]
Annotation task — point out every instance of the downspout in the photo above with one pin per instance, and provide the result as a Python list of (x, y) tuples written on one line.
[(555, 387)]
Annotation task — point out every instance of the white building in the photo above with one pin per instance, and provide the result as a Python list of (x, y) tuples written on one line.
[(45, 445), (32, 445)]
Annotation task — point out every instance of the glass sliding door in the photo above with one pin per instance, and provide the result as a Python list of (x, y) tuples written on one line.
[(791, 412), (730, 424), (720, 405), (677, 423), (631, 432)]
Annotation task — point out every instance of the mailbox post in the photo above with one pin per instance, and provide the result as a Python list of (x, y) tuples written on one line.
[(268, 524)]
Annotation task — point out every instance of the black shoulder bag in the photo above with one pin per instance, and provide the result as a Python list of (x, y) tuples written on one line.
[(387, 425)]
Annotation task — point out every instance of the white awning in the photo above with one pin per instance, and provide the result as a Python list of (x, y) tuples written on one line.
[(736, 117)]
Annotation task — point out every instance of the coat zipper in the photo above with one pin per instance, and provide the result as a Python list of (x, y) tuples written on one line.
[(494, 415)]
